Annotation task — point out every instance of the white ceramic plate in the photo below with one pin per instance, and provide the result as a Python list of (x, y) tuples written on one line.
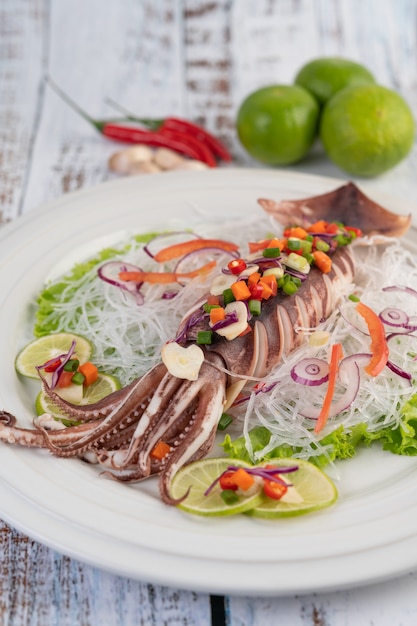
[(371, 533)]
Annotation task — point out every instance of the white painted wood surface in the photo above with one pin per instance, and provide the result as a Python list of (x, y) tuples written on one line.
[(198, 59)]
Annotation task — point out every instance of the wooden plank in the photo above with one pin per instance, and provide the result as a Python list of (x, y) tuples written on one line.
[(133, 59), (39, 586), (21, 46)]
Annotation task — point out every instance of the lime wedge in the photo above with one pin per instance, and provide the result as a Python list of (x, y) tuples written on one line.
[(313, 490), (198, 477), (103, 386), (45, 348)]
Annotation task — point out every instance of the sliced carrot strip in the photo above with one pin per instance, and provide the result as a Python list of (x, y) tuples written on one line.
[(379, 346), (242, 479), (179, 249), (164, 277), (217, 314), (337, 354)]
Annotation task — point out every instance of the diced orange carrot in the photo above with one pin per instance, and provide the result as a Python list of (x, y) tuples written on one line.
[(318, 227), (323, 261), (90, 371), (296, 231), (267, 291), (242, 479), (277, 243), (240, 290), (271, 281), (253, 279), (217, 314), (160, 450)]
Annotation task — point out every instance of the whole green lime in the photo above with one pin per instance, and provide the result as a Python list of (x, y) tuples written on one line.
[(277, 124), (326, 76), (367, 130)]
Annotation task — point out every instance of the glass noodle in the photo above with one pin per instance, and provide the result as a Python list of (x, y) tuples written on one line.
[(127, 338)]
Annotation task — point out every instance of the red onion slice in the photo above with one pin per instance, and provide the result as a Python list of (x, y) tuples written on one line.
[(402, 288), (350, 373), (194, 260), (109, 272), (394, 317), (311, 372), (230, 318)]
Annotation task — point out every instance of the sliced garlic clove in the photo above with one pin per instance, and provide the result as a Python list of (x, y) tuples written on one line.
[(167, 159), (182, 362), (145, 167), (192, 164), (220, 283), (236, 328), (122, 161)]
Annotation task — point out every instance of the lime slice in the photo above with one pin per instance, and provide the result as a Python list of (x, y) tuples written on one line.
[(198, 477), (45, 348), (315, 489), (103, 386)]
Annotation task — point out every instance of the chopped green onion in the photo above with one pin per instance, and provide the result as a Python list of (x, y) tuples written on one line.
[(271, 253), (204, 337), (294, 243), (254, 307), (289, 288), (229, 496), (321, 245), (72, 365), (207, 307), (228, 296), (224, 421), (78, 378), (354, 298)]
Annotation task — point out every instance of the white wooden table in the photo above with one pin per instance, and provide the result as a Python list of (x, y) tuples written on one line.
[(197, 59)]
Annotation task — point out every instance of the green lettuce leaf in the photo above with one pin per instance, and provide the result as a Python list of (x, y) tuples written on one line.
[(53, 294), (340, 444)]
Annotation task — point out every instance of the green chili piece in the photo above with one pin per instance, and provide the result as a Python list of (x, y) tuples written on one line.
[(72, 365), (229, 496), (271, 253), (224, 421), (204, 337)]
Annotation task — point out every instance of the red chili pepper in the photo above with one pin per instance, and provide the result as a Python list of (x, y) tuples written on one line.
[(181, 125), (178, 135), (178, 124), (53, 366), (174, 141), (237, 265)]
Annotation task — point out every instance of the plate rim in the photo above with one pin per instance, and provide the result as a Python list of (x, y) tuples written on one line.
[(111, 188)]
